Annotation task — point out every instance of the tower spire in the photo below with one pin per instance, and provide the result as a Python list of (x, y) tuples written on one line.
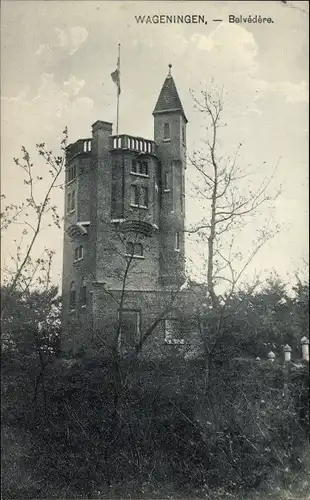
[(169, 100)]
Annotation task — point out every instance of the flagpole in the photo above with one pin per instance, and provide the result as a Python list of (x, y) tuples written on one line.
[(118, 92)]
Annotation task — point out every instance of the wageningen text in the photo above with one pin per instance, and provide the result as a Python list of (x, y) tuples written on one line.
[(199, 19), (173, 19)]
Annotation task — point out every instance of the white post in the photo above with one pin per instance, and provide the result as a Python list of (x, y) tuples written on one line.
[(305, 348), (287, 352), (271, 356)]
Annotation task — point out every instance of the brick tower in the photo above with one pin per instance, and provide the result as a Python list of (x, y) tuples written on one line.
[(124, 222), (170, 135)]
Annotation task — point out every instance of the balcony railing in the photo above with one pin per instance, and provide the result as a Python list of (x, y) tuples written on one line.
[(82, 146), (128, 142), (136, 144)]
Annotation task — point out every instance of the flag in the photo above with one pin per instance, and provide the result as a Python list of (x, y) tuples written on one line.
[(116, 77)]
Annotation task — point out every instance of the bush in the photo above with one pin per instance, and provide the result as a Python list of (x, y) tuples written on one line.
[(160, 428)]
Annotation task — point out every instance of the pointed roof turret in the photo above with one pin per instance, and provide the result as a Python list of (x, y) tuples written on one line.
[(169, 100)]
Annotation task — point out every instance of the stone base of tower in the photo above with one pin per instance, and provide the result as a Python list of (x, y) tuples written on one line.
[(152, 323)]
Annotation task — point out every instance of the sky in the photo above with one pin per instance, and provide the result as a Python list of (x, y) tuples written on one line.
[(56, 62)]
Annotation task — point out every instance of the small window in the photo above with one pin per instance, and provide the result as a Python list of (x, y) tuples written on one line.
[(71, 174), (183, 135), (134, 249), (144, 196), (177, 241), (129, 248), (144, 168), (181, 200), (139, 167), (166, 131), (166, 181), (78, 253), (134, 165), (72, 296), (68, 202), (83, 293), (138, 249), (139, 196), (72, 201), (134, 194)]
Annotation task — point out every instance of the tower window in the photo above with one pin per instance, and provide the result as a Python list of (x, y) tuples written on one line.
[(183, 135), (139, 196), (166, 182), (166, 132), (71, 174), (144, 168), (83, 293), (177, 241), (129, 248), (72, 296), (78, 253), (139, 249), (134, 194), (71, 202), (144, 196), (134, 166), (139, 167), (134, 249)]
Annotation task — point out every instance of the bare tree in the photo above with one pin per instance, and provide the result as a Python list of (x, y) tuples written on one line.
[(30, 304), (230, 204), (32, 215)]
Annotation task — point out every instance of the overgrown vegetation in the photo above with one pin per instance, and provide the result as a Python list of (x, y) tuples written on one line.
[(160, 433)]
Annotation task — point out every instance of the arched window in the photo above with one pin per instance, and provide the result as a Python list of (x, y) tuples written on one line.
[(72, 296), (166, 131), (83, 293)]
